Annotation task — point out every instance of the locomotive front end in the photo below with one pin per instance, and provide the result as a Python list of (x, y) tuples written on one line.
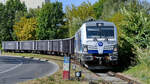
[(100, 44)]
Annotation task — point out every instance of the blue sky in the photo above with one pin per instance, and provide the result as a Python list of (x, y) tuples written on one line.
[(77, 2), (146, 0)]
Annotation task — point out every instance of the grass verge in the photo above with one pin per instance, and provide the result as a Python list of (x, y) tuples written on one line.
[(142, 70)]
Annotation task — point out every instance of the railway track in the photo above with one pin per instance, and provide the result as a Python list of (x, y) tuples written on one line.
[(116, 78), (110, 77)]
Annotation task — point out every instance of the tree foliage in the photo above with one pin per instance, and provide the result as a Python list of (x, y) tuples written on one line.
[(32, 13), (136, 24), (8, 18), (25, 29), (117, 19), (2, 23), (50, 15), (77, 15), (107, 8), (133, 24), (98, 8)]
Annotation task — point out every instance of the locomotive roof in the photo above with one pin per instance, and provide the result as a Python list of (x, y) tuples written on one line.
[(94, 23)]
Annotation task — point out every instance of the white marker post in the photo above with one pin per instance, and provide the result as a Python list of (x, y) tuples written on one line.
[(66, 69), (0, 52)]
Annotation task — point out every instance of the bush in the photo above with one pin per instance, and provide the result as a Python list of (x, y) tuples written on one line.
[(136, 25), (144, 56), (134, 28), (142, 69)]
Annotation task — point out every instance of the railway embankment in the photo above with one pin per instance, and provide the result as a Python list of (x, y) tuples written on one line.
[(141, 71)]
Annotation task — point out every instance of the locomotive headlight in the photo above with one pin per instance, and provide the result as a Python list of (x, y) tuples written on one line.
[(100, 24), (85, 48), (115, 48)]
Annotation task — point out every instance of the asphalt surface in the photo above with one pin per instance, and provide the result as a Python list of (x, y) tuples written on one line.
[(16, 69)]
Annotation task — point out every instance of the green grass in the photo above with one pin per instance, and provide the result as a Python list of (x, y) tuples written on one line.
[(55, 78), (142, 70)]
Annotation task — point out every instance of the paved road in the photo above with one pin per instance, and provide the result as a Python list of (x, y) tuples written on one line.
[(17, 69)]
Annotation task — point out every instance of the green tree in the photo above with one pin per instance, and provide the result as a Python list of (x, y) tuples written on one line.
[(2, 7), (133, 25), (75, 25), (32, 13), (136, 24), (2, 22), (8, 18), (50, 15), (25, 29), (77, 15), (117, 19), (107, 8), (98, 8)]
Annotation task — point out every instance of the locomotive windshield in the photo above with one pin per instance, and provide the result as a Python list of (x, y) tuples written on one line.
[(100, 32)]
